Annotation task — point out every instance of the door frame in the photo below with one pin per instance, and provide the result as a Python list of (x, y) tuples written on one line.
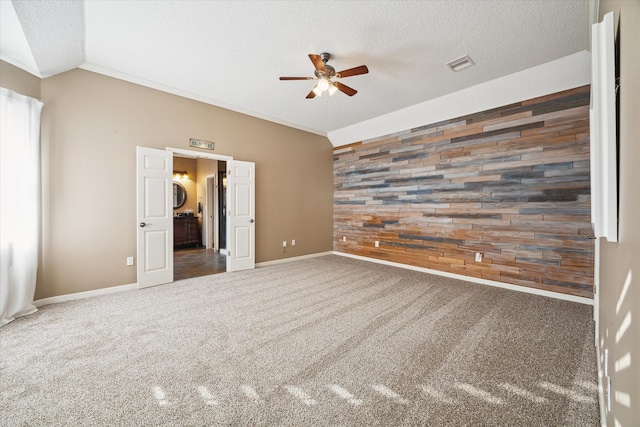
[(221, 197), (211, 203)]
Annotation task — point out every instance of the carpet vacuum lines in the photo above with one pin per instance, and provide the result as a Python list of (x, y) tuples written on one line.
[(324, 341)]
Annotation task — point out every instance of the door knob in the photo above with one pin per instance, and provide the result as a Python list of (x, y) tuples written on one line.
[(144, 224), (251, 220)]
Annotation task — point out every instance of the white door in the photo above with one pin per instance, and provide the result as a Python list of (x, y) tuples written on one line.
[(241, 226), (154, 218)]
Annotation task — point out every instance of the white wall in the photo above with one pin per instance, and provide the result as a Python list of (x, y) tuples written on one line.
[(556, 76)]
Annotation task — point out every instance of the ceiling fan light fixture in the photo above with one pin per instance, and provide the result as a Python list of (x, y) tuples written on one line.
[(317, 91), (332, 89), (323, 84)]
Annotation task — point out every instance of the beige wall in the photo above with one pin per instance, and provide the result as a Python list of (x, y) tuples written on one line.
[(91, 126), (19, 81), (620, 262)]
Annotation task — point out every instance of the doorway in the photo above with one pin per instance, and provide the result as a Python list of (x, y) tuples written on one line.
[(155, 220), (202, 256)]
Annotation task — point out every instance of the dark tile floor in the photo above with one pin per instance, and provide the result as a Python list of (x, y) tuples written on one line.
[(196, 262)]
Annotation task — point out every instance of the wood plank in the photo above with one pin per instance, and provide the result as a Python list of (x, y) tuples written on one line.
[(512, 182)]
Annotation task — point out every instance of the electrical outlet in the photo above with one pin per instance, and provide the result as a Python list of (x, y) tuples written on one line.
[(284, 243), (130, 260), (344, 238), (478, 256), (376, 244), (293, 242)]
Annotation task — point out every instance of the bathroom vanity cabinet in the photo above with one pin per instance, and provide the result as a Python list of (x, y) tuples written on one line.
[(186, 231)]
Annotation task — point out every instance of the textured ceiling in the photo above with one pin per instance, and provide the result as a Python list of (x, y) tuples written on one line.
[(231, 53)]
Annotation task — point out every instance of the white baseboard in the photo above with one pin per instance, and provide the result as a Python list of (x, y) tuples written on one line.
[(509, 286), (86, 294), (105, 291), (297, 258)]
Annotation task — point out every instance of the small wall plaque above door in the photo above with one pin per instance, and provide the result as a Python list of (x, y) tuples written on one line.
[(201, 144)]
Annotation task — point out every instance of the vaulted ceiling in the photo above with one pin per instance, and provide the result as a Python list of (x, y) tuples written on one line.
[(231, 53)]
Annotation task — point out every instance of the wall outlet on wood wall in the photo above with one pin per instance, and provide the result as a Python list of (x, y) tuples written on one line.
[(478, 256)]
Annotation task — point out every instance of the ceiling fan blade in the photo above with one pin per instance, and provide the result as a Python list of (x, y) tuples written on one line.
[(317, 62), (354, 71), (312, 94), (346, 89), (296, 78)]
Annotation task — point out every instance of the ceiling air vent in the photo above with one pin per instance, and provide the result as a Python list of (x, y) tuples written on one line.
[(460, 63)]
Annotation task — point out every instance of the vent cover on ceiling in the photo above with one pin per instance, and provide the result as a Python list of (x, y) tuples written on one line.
[(460, 63)]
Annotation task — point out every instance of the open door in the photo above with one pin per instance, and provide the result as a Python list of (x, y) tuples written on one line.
[(154, 217), (241, 230)]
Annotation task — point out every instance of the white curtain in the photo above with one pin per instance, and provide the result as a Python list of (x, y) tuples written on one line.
[(19, 203)]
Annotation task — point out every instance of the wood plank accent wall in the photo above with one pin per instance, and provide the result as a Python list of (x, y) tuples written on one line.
[(511, 182)]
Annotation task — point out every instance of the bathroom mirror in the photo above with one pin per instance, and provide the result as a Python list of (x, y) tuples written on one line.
[(179, 195)]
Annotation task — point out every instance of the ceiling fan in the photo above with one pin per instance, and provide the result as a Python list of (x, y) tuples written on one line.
[(325, 72)]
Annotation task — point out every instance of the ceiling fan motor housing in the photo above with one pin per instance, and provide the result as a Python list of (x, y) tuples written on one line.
[(329, 71)]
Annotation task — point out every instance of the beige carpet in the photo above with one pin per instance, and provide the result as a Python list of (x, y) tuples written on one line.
[(328, 341)]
